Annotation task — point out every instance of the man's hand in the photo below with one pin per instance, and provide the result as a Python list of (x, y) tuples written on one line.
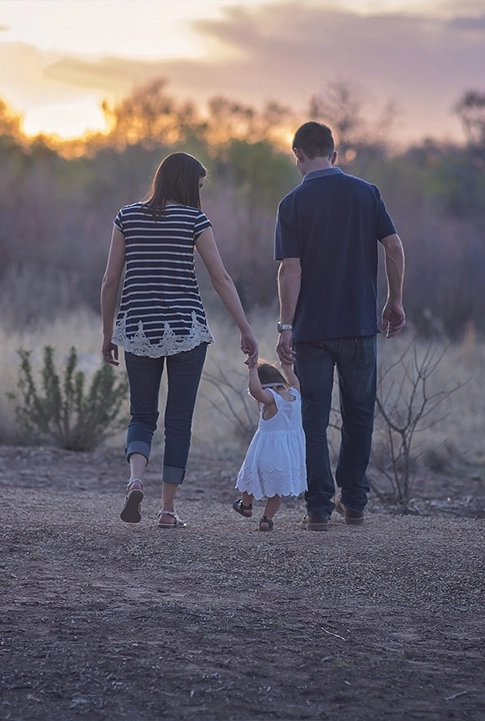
[(284, 347), (393, 318)]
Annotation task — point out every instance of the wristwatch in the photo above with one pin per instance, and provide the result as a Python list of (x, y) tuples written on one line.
[(283, 326)]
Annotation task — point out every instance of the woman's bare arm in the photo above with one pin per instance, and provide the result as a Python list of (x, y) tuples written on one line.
[(226, 290), (109, 294)]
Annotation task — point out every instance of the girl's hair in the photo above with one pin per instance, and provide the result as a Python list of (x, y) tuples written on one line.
[(269, 375), (177, 178)]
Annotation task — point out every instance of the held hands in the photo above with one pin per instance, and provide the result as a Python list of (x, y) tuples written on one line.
[(284, 348), (251, 362), (110, 353), (393, 318), (249, 346)]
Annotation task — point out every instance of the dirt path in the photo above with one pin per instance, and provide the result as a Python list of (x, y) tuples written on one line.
[(218, 621)]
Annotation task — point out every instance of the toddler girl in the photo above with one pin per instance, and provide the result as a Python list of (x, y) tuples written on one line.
[(274, 465)]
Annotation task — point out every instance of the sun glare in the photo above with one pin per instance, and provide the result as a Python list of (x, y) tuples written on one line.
[(59, 59), (65, 120)]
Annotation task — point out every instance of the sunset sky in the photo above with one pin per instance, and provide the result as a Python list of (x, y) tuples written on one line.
[(60, 58)]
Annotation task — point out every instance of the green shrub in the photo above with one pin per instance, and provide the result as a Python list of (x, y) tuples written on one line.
[(62, 412)]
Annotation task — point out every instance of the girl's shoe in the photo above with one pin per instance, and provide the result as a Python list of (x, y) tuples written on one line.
[(266, 524), (134, 497), (176, 523), (239, 507)]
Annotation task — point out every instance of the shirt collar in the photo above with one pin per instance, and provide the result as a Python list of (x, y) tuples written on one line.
[(321, 173)]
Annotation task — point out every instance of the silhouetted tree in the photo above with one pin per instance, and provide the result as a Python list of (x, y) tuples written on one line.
[(471, 112)]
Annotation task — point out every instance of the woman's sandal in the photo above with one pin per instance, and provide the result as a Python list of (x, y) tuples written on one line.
[(266, 524), (176, 523), (239, 507), (134, 497)]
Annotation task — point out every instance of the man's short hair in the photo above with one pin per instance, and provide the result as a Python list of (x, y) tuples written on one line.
[(315, 140)]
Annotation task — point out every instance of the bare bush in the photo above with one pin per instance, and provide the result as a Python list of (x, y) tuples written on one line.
[(233, 402), (406, 405)]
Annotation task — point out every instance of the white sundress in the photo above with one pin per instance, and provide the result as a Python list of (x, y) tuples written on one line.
[(275, 460)]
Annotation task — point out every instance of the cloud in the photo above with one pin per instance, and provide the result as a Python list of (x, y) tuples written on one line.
[(23, 78), (472, 23), (453, 8), (422, 62), (291, 50), (109, 74)]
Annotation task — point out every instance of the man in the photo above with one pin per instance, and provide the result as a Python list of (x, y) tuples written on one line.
[(327, 236)]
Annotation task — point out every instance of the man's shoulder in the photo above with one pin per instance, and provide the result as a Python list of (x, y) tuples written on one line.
[(338, 182), (358, 182), (290, 197)]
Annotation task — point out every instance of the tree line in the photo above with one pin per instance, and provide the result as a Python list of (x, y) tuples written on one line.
[(58, 199)]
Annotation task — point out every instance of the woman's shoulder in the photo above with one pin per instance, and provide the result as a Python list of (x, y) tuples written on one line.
[(178, 211), (134, 208), (181, 208)]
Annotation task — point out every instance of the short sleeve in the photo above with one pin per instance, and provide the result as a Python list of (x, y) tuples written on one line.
[(118, 221), (277, 398), (201, 223), (385, 226), (286, 237)]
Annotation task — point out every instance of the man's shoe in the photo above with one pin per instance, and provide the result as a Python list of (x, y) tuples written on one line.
[(352, 518), (314, 523)]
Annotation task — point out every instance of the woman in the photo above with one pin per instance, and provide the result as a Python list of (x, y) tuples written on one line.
[(161, 320)]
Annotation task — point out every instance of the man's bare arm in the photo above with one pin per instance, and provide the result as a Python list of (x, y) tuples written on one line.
[(393, 316), (289, 283)]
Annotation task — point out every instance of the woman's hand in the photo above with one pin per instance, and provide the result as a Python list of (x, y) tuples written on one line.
[(110, 353), (251, 362), (249, 346)]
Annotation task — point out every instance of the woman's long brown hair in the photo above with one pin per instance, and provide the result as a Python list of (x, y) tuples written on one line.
[(176, 179)]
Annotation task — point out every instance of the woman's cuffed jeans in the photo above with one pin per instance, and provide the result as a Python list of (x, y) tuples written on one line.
[(183, 376), (355, 361)]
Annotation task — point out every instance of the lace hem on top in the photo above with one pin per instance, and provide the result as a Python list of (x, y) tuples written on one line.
[(170, 343)]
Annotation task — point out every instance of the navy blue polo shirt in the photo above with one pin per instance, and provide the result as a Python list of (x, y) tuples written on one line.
[(332, 223)]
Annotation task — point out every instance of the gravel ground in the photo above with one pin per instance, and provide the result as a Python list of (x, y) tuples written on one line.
[(103, 620)]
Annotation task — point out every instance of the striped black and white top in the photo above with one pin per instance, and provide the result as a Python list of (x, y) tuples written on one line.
[(161, 312)]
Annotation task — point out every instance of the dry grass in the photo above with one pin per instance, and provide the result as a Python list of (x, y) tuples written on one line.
[(81, 329), (457, 426), (458, 432)]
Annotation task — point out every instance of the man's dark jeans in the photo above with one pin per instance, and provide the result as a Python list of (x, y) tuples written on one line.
[(355, 360), (183, 376)]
